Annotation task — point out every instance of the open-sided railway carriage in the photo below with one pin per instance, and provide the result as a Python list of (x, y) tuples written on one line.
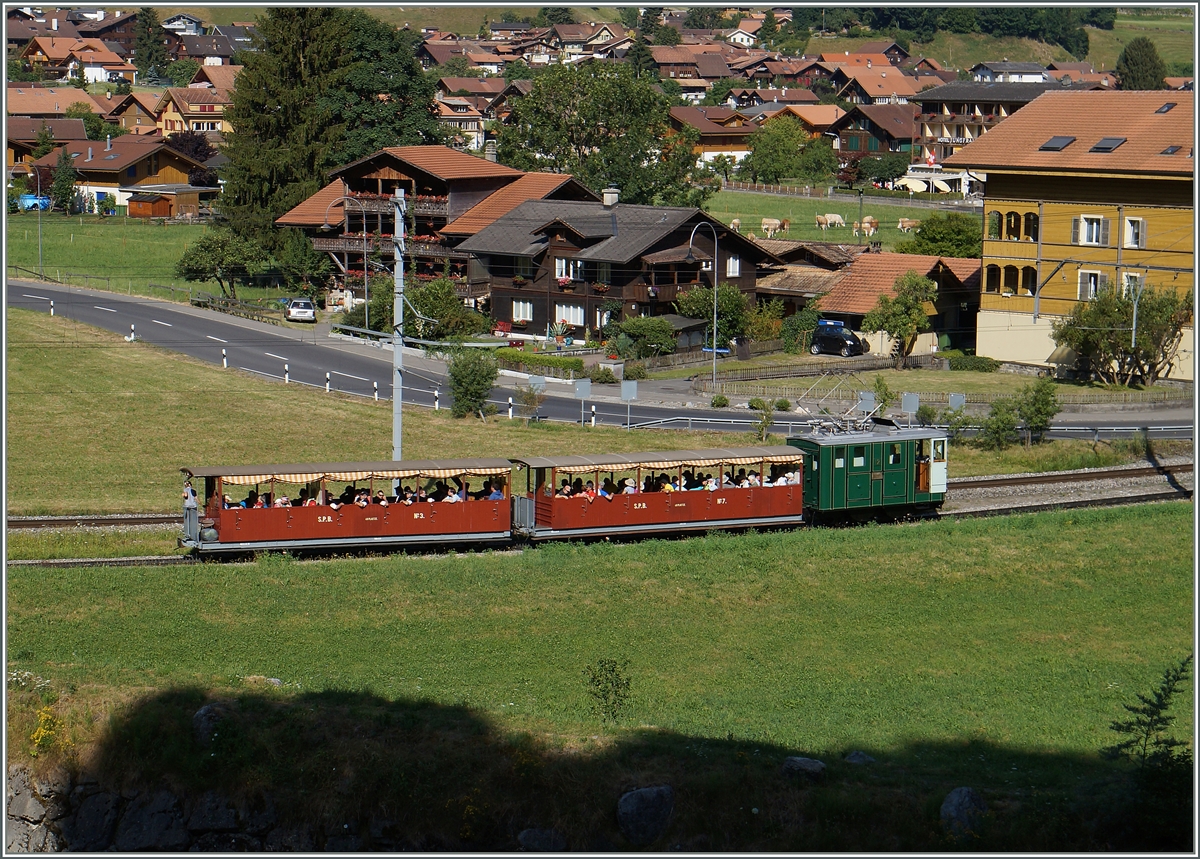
[(240, 529), (540, 515), (872, 469)]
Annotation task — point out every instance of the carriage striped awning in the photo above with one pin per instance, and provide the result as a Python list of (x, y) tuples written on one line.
[(351, 472), (663, 460)]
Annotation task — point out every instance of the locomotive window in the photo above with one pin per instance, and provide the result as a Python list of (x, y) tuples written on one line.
[(894, 455), (939, 450), (839, 462), (860, 457)]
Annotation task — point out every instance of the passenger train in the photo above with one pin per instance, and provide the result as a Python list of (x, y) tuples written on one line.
[(832, 473)]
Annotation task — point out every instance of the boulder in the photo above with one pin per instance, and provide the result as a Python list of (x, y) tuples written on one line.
[(542, 840), (962, 813), (152, 821), (91, 828), (227, 842), (212, 813), (859, 758), (804, 768), (205, 722), (22, 803), (643, 814)]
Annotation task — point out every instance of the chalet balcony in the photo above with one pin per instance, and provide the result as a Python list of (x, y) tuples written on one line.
[(423, 204), (433, 250), (352, 244)]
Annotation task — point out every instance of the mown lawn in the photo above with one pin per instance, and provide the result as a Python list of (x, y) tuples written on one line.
[(988, 652)]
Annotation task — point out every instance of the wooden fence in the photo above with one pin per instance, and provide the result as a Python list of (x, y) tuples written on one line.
[(234, 307)]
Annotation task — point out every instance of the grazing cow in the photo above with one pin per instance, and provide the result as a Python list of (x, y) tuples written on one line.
[(785, 225), (753, 237), (770, 226), (907, 224), (822, 222), (870, 226), (857, 227), (736, 223), (835, 220)]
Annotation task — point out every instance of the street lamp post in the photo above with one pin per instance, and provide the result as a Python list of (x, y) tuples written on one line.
[(38, 174), (366, 252), (715, 280), (398, 328)]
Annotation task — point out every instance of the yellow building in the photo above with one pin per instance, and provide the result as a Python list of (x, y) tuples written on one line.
[(1086, 191), (194, 109)]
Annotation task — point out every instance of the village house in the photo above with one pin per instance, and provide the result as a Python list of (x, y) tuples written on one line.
[(449, 195), (875, 129), (722, 130), (1086, 191), (954, 114), (194, 109), (23, 134), (115, 170), (136, 112), (550, 261)]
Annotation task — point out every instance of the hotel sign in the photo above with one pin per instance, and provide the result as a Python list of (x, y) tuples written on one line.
[(959, 140)]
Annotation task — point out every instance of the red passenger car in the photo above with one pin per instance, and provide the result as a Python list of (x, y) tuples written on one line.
[(703, 489), (310, 521)]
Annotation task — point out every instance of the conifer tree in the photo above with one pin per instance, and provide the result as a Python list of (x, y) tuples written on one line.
[(62, 188), (1140, 66), (149, 52)]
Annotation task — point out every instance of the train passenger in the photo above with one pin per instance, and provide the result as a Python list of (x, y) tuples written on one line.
[(452, 498), (589, 491), (497, 493), (226, 502), (483, 493), (710, 483), (380, 499), (666, 484), (564, 491), (628, 487), (362, 498), (607, 489), (577, 486)]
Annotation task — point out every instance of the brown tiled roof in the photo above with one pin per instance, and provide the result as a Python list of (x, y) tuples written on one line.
[(442, 162), (57, 49), (311, 212), (880, 82), (699, 118), (45, 102), (474, 86), (872, 275), (26, 130), (801, 280), (1088, 117), (221, 77), (531, 186), (126, 150), (183, 96), (859, 59), (819, 116)]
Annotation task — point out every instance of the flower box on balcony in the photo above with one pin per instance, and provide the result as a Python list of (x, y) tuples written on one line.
[(600, 288), (519, 281)]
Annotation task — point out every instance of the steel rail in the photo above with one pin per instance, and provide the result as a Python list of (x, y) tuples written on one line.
[(1069, 476)]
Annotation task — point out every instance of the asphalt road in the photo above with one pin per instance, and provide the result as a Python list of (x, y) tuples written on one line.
[(306, 355)]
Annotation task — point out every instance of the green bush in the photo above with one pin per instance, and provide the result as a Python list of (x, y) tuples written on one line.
[(974, 363), (538, 359), (956, 421), (926, 415), (758, 404), (999, 429), (720, 401), (636, 370), (471, 375), (796, 331), (783, 404), (602, 375), (652, 335)]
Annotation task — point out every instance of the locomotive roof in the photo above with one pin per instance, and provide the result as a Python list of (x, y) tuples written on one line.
[(880, 432), (248, 475), (583, 463)]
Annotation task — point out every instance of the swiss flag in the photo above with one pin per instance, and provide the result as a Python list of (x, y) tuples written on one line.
[(929, 159)]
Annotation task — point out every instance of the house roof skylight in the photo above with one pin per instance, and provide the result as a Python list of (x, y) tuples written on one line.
[(1107, 144), (1166, 107), (1057, 143), (1170, 150)]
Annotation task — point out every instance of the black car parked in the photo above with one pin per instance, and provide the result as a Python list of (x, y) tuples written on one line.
[(836, 339)]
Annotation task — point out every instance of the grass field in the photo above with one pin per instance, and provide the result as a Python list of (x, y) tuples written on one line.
[(802, 212), (991, 652)]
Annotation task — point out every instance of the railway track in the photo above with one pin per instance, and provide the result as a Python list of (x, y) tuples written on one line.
[(167, 520)]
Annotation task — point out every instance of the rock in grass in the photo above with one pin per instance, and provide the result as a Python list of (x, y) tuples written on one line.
[(962, 813), (542, 840), (807, 768), (643, 814), (205, 722), (859, 758)]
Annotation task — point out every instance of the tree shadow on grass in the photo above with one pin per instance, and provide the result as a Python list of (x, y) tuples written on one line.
[(410, 774)]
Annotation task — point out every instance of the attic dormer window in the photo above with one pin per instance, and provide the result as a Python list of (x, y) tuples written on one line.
[(1056, 144), (1107, 144)]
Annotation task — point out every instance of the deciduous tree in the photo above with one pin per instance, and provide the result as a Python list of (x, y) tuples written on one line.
[(1100, 331), (1037, 405), (603, 125), (221, 256), (902, 316), (182, 71), (950, 235), (732, 309), (775, 150), (1140, 66), (472, 374)]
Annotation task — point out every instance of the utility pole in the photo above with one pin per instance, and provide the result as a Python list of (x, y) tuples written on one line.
[(397, 327)]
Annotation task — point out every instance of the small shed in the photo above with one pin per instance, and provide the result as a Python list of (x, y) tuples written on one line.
[(149, 206)]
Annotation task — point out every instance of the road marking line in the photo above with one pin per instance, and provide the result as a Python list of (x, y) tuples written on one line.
[(348, 376), (168, 324), (273, 355), (218, 339), (109, 309), (38, 297)]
